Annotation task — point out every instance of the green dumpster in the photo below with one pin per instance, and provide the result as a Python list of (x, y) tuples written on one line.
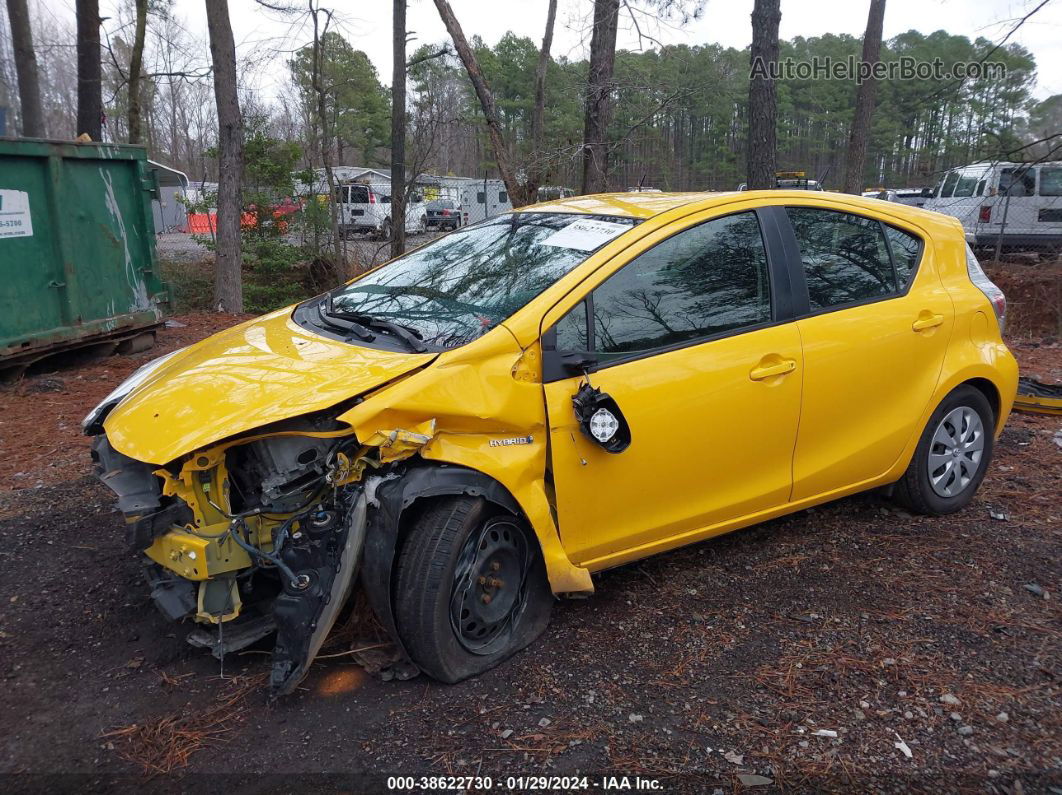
[(77, 248)]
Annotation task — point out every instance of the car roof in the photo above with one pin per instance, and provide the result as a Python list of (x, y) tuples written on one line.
[(626, 205), (647, 205)]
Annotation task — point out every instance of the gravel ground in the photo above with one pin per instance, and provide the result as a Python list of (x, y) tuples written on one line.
[(808, 652)]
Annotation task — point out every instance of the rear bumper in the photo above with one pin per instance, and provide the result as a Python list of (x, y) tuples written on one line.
[(360, 226)]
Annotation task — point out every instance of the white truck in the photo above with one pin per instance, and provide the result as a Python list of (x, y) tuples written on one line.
[(1020, 202)]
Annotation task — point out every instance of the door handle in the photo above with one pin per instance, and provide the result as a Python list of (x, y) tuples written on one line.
[(927, 321), (783, 367)]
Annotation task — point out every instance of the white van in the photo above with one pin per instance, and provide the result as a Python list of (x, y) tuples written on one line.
[(1020, 201), (367, 209), (481, 199)]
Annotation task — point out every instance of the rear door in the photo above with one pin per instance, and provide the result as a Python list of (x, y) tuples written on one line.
[(1012, 208), (355, 204), (876, 326), (960, 196)]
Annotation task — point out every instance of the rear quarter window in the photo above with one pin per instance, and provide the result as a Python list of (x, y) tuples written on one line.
[(906, 252)]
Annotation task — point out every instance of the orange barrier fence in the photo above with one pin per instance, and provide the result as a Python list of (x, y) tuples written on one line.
[(205, 223)]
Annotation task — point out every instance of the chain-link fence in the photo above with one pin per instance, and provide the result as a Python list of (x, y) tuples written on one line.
[(1012, 216)]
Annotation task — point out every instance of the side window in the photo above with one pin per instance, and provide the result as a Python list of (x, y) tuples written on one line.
[(906, 250), (573, 328), (503, 196), (481, 197), (949, 184), (1051, 181), (965, 187), (844, 255), (1017, 182), (701, 282)]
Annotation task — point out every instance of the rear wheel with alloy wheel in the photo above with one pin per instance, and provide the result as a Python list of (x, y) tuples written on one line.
[(952, 456), (471, 588)]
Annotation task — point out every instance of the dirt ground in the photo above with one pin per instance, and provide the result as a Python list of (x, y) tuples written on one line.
[(809, 652)]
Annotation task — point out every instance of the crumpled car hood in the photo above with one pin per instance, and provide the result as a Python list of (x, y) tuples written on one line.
[(256, 373)]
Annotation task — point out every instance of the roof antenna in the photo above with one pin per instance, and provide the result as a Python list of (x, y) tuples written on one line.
[(641, 182)]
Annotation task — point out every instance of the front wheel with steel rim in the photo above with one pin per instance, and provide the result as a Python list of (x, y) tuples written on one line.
[(470, 588), (952, 455)]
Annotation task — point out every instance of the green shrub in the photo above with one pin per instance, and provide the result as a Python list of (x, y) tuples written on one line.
[(191, 285), (262, 297)]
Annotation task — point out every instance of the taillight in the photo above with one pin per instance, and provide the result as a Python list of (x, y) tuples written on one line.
[(988, 287), (986, 214), (372, 198), (445, 212)]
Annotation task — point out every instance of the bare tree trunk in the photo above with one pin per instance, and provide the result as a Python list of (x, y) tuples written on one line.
[(29, 87), (398, 131), (89, 70), (599, 96), (763, 99), (865, 97), (228, 279), (537, 170), (322, 119), (136, 61), (486, 100)]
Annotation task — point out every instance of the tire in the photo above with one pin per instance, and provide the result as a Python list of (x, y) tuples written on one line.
[(930, 486), (439, 579)]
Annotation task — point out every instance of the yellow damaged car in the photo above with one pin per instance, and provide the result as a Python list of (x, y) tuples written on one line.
[(474, 428)]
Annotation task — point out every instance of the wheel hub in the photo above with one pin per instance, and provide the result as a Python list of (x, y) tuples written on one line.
[(488, 589), (956, 451)]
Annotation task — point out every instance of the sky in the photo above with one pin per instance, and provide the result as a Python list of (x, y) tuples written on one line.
[(262, 35)]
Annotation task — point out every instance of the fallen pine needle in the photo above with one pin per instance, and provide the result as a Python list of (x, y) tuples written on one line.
[(161, 746)]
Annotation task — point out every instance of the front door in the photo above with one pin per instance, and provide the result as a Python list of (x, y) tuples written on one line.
[(684, 339)]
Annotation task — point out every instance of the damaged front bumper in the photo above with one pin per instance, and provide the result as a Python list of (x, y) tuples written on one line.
[(273, 547)]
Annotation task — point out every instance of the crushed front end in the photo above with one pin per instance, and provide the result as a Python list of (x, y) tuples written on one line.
[(256, 535)]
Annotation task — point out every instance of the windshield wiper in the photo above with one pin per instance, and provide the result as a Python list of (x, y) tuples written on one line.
[(324, 311), (408, 335)]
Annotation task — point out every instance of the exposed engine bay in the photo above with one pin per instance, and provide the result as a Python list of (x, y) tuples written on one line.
[(249, 538)]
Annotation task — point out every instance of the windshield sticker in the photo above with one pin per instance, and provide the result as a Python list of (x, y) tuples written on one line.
[(585, 235), (15, 214)]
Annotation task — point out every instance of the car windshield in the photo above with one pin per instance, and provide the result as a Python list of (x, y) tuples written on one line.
[(455, 289)]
